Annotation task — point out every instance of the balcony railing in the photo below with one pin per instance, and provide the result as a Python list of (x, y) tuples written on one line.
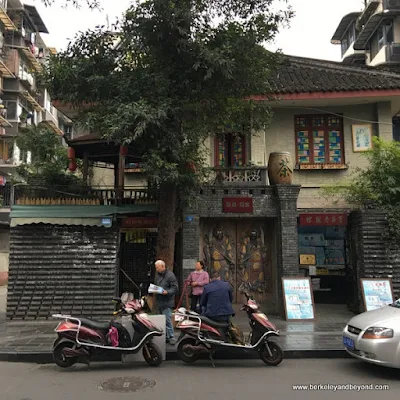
[(6, 196), (238, 175), (62, 195)]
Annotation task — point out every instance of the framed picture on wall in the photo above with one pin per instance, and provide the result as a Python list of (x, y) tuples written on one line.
[(362, 137), (298, 299)]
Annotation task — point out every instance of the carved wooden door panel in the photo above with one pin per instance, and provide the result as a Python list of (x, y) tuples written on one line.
[(254, 269), (237, 249), (219, 247)]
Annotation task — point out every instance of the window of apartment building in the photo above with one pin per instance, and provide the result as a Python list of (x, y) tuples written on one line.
[(383, 36), (319, 139), (11, 110), (348, 38), (230, 151)]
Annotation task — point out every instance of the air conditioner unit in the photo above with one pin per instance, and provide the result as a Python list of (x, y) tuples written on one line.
[(391, 5)]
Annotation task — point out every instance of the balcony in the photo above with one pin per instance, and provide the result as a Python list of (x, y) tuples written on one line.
[(369, 10), (32, 101), (6, 193), (6, 166), (4, 18), (238, 175), (51, 121), (391, 5), (29, 195), (393, 53)]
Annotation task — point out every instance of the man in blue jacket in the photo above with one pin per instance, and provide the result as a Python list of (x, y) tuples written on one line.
[(216, 301)]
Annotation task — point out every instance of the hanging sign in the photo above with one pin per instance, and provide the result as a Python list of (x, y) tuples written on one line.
[(298, 299), (237, 204), (323, 219), (377, 293), (139, 222)]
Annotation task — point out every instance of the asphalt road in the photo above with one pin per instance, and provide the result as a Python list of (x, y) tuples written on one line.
[(175, 380)]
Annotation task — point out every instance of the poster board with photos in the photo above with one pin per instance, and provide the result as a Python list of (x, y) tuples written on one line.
[(298, 299), (377, 292)]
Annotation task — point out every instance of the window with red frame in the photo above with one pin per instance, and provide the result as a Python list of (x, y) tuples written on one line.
[(319, 139), (230, 151)]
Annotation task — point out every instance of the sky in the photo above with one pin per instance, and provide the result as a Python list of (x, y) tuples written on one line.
[(309, 33)]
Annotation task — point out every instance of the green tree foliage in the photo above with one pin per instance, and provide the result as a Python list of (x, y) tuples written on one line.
[(49, 160), (171, 73), (377, 186)]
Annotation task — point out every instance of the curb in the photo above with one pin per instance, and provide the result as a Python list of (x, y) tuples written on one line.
[(47, 358)]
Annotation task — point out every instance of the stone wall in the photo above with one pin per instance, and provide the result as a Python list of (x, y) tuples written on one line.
[(371, 254), (67, 269)]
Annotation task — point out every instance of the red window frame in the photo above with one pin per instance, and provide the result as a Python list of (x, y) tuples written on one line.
[(229, 141), (326, 128)]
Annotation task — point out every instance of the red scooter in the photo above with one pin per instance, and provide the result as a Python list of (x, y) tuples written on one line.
[(81, 338), (204, 336)]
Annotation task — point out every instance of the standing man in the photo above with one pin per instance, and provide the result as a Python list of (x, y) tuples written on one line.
[(166, 301), (216, 301)]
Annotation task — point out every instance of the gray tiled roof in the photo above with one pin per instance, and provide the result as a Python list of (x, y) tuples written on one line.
[(299, 75)]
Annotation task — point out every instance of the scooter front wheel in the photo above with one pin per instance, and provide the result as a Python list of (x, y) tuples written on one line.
[(152, 354), (276, 356)]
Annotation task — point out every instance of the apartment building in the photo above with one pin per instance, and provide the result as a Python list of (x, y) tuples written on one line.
[(371, 36), (23, 53)]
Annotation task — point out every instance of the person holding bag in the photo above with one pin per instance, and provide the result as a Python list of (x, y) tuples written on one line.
[(197, 280)]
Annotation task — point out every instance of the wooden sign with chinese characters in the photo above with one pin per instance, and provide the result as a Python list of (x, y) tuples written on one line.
[(323, 219), (237, 204), (139, 222)]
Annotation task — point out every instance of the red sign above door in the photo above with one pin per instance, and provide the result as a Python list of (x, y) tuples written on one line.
[(323, 219), (139, 222), (237, 204)]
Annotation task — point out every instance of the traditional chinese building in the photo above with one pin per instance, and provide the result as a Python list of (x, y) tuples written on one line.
[(261, 217)]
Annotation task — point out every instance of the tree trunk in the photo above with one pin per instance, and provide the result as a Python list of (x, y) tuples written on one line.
[(167, 225)]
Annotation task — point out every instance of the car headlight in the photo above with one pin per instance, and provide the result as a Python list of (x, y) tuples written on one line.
[(378, 333)]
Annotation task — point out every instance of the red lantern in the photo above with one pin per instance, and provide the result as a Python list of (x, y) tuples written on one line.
[(71, 153), (72, 165), (190, 165), (124, 150)]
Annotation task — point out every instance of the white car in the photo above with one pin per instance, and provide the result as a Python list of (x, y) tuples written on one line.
[(374, 336)]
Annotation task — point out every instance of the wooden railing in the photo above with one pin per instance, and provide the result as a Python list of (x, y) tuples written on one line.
[(252, 175), (42, 195)]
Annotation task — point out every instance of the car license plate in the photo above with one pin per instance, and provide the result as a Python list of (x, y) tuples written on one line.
[(349, 343)]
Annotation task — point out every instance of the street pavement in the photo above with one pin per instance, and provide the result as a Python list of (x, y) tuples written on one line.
[(175, 380)]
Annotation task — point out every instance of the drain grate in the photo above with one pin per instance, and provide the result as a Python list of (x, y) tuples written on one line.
[(126, 385)]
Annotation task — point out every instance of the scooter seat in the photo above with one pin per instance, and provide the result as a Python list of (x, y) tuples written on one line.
[(103, 326), (214, 324)]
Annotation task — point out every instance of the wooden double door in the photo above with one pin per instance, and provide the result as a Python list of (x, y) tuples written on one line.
[(240, 251)]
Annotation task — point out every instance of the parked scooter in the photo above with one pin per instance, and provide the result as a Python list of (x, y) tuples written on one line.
[(202, 336), (80, 338)]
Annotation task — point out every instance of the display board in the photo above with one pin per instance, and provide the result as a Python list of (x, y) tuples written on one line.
[(377, 292), (298, 299)]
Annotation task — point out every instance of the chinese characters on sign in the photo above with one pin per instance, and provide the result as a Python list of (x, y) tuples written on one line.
[(140, 222), (299, 303), (237, 204), (377, 293), (323, 219)]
